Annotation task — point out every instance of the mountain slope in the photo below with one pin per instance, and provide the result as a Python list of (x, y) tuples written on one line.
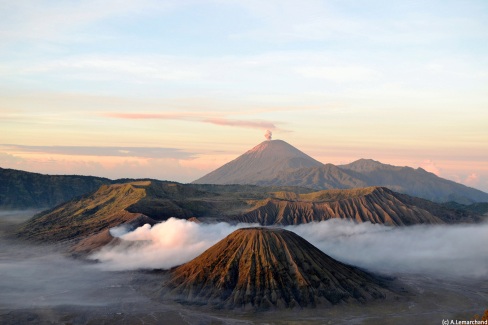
[(414, 182), (135, 203), (84, 222), (276, 163), (373, 204), (24, 190), (261, 268), (265, 161), (320, 178), (87, 215)]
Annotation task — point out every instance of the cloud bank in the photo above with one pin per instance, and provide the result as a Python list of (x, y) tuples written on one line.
[(455, 250), (163, 245), (437, 250), (141, 152)]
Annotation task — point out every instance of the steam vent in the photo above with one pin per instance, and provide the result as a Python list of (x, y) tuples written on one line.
[(262, 268)]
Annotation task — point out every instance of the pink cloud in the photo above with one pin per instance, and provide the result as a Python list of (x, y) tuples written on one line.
[(431, 167), (186, 117), (240, 123), (148, 116), (472, 179)]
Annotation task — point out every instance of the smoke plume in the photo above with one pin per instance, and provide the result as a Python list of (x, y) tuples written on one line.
[(268, 135), (455, 250)]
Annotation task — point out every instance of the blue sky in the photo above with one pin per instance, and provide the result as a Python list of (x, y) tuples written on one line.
[(402, 82)]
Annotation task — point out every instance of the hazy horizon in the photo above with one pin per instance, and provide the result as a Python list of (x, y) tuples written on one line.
[(175, 89)]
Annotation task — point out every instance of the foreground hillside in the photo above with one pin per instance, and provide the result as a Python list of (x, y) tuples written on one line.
[(262, 268), (24, 190)]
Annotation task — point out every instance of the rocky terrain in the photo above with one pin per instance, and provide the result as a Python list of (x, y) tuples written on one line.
[(85, 222), (262, 268), (371, 204)]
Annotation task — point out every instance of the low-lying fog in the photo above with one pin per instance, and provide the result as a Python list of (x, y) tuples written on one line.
[(436, 250), (38, 284), (35, 276)]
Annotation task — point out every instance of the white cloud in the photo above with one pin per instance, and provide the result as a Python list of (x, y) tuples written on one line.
[(101, 151), (133, 68), (55, 20), (454, 250), (338, 73), (164, 245)]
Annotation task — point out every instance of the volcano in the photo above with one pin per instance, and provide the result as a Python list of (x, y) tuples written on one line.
[(262, 268), (265, 161), (277, 163)]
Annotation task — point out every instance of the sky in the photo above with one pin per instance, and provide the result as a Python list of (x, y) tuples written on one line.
[(174, 89)]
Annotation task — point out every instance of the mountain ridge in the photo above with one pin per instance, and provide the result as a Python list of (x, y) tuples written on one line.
[(372, 204), (249, 169), (415, 182), (133, 204), (21, 190)]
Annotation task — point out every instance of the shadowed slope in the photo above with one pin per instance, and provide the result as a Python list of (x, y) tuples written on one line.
[(262, 268), (373, 204), (86, 216), (414, 182), (24, 190)]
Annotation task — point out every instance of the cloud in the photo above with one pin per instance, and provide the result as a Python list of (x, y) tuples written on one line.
[(111, 167), (253, 124), (440, 250), (48, 20), (101, 67), (338, 73), (472, 180), (35, 276), (149, 116), (141, 152), (241, 123), (431, 167), (455, 250), (164, 245)]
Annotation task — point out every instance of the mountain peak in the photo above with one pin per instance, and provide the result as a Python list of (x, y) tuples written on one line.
[(366, 165), (264, 268), (265, 161)]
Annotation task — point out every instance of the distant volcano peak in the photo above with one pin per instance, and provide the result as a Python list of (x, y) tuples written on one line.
[(265, 161), (264, 268)]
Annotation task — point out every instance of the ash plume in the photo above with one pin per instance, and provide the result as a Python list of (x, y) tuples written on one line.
[(268, 135)]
